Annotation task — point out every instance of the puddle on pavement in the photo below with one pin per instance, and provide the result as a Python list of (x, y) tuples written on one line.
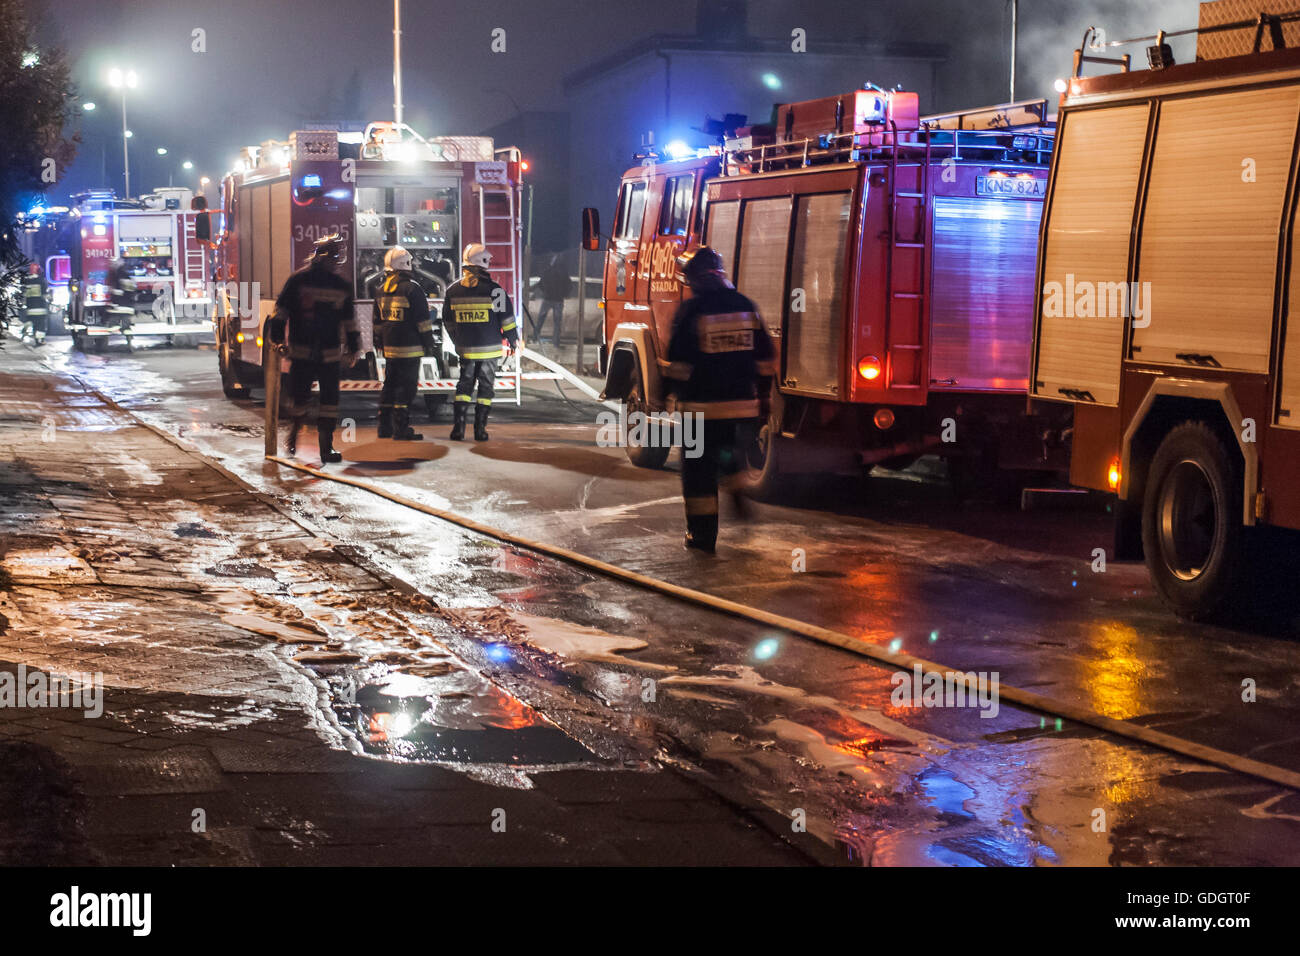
[(457, 717)]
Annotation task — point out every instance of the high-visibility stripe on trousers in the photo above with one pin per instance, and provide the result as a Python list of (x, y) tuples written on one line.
[(720, 456), (483, 374), (301, 375)]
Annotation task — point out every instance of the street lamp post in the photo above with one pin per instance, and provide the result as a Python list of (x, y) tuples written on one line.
[(124, 81)]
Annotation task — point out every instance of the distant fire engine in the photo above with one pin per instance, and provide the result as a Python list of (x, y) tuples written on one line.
[(378, 189), (892, 257), (1167, 278), (153, 237)]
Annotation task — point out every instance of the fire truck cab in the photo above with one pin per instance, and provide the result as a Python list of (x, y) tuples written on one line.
[(892, 257), (1166, 279), (378, 189)]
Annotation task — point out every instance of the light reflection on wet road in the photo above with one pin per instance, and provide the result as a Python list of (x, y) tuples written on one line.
[(806, 727)]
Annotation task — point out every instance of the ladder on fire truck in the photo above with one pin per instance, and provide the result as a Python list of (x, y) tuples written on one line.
[(907, 269), (500, 234)]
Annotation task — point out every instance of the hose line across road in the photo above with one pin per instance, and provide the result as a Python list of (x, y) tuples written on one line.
[(906, 662)]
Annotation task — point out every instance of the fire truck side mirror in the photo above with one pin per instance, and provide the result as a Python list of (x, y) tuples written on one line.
[(591, 229)]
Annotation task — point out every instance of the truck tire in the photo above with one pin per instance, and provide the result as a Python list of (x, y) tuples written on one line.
[(643, 456), (231, 386), (1192, 532)]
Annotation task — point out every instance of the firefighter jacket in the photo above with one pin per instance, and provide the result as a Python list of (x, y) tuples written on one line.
[(721, 358), (313, 314), (34, 289), (477, 314), (402, 317)]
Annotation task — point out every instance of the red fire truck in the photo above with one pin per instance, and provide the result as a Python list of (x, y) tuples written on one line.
[(892, 257), (1166, 279), (153, 238), (378, 189)]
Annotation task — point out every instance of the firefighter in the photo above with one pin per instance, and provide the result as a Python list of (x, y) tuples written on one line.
[(403, 321), (36, 310), (721, 363), (123, 293), (478, 315), (314, 323)]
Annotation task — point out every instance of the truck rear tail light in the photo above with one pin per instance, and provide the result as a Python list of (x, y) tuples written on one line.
[(869, 368), (884, 418), (1113, 475), (239, 337), (259, 341)]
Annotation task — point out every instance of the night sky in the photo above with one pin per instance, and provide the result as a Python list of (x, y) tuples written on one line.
[(271, 66)]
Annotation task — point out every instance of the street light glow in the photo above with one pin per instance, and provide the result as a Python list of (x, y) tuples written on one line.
[(117, 79), (162, 150), (88, 107), (187, 165), (127, 133)]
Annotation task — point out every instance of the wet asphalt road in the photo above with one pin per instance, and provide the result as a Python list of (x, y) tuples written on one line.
[(782, 722)]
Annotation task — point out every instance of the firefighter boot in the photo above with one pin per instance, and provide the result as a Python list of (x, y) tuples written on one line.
[(480, 422), (459, 411), (385, 421), (402, 430), (325, 436), (294, 428)]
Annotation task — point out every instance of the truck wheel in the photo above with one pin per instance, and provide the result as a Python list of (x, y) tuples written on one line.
[(643, 456), (1191, 522), (230, 384), (768, 481)]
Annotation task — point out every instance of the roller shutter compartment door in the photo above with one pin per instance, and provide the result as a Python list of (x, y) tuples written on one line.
[(1209, 240), (281, 239), (1090, 220), (982, 299), (814, 335), (723, 220), (764, 242)]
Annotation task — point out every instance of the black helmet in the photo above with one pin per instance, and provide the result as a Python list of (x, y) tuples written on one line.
[(702, 265), (331, 250)]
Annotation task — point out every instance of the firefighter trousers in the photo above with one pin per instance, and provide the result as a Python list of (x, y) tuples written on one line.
[(302, 372), (484, 374), (721, 457), (401, 382)]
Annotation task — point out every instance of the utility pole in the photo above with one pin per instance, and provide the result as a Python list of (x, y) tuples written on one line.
[(1015, 11), (397, 62), (126, 156)]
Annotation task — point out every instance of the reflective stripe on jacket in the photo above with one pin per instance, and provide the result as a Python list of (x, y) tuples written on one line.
[(478, 315), (402, 317)]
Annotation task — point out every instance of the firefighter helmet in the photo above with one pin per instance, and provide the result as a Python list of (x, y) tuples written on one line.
[(700, 265), (330, 249), (398, 259), (476, 254)]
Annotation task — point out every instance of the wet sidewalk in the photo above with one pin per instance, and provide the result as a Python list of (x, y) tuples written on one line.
[(257, 687)]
